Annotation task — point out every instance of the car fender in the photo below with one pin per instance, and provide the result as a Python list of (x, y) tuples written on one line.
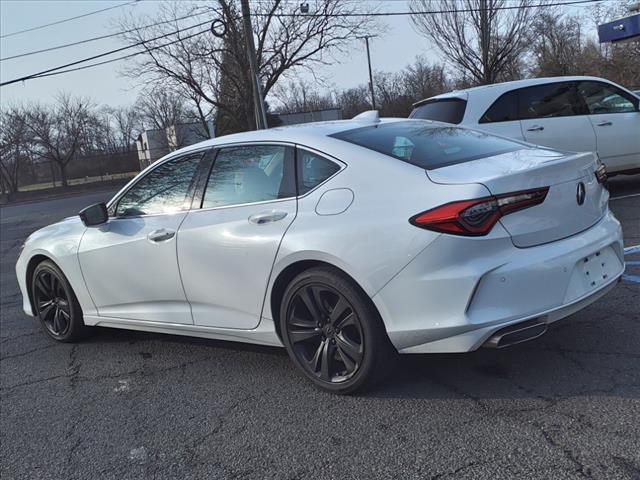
[(59, 243)]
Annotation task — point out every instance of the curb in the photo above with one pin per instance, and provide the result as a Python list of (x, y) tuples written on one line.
[(58, 196)]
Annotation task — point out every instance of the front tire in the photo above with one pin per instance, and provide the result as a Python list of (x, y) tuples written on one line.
[(333, 332), (55, 303)]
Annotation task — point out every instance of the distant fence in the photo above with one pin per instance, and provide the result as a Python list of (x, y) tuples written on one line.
[(100, 167)]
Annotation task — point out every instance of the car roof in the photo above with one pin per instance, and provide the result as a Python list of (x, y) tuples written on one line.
[(496, 89), (309, 134)]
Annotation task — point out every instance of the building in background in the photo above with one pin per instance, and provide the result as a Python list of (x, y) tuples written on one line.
[(155, 144), (151, 145), (308, 117)]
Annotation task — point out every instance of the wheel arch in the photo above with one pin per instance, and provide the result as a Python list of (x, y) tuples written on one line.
[(34, 261), (287, 274)]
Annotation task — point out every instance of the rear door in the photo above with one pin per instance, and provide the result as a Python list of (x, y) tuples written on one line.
[(227, 245), (553, 115), (615, 117)]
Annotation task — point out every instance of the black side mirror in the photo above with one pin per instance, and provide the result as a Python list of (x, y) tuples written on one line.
[(94, 215)]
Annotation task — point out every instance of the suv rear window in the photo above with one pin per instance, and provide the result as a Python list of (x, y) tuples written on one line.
[(426, 145), (450, 110)]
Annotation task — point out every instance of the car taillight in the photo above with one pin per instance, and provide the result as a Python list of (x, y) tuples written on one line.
[(477, 217)]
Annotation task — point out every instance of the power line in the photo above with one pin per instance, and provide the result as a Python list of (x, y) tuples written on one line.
[(427, 12), (101, 37), (80, 42), (60, 72), (67, 19), (104, 54), (55, 70)]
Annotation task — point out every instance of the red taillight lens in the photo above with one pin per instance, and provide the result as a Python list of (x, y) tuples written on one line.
[(477, 217)]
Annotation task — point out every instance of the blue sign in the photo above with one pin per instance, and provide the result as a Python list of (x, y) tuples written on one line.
[(621, 29)]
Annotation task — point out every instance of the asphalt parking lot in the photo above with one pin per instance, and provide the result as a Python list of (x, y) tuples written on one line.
[(138, 405)]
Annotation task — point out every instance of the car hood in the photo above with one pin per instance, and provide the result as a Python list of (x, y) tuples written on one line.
[(65, 233)]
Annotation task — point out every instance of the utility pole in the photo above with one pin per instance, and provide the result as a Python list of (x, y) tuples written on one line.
[(373, 98), (484, 42), (258, 101)]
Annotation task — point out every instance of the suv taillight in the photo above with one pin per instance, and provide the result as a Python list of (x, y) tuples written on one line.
[(477, 217)]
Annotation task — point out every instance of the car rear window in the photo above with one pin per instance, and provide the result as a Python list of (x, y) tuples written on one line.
[(450, 110), (428, 146)]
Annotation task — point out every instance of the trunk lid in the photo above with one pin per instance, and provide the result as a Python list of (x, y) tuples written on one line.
[(569, 176)]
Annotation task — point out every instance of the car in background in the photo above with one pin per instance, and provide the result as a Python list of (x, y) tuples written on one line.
[(564, 113)]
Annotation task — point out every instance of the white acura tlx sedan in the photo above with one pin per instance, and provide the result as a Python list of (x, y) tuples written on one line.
[(345, 242)]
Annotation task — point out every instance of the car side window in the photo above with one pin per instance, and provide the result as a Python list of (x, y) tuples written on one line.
[(504, 109), (603, 98), (550, 100), (163, 190), (314, 169), (250, 173)]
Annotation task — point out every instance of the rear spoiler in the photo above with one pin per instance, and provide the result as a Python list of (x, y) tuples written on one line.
[(439, 98)]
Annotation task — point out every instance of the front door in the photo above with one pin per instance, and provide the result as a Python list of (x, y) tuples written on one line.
[(129, 264), (615, 117), (227, 248)]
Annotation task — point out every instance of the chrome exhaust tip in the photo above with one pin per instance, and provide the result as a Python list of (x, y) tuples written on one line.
[(518, 333)]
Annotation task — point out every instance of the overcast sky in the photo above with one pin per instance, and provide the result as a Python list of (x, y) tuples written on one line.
[(391, 52)]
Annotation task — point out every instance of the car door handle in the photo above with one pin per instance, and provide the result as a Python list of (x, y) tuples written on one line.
[(161, 235), (267, 217), (606, 123), (535, 128)]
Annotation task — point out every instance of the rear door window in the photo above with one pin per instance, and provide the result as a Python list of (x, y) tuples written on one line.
[(426, 145), (449, 110), (504, 109), (248, 174), (550, 100)]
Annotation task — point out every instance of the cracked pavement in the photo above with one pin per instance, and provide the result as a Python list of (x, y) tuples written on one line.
[(126, 404)]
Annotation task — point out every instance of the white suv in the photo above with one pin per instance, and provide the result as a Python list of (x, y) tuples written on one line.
[(564, 113)]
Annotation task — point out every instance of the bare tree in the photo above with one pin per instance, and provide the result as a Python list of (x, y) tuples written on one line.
[(127, 122), (300, 96), (14, 147), (561, 45), (60, 132), (556, 45), (354, 101), (480, 39), (422, 79), (615, 61), (160, 108), (215, 71)]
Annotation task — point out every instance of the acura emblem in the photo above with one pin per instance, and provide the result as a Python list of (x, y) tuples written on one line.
[(580, 193)]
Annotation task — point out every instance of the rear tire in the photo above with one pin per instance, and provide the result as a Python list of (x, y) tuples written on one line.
[(333, 332), (55, 303)]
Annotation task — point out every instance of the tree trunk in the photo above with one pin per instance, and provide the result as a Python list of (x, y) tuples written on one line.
[(63, 174), (53, 173)]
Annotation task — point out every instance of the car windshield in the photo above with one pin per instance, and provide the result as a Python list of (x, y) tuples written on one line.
[(428, 146)]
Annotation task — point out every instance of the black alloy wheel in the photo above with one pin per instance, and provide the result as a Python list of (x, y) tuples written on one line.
[(52, 303), (55, 303), (325, 332), (332, 331)]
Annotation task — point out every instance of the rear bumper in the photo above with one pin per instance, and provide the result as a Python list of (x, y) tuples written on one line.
[(459, 291)]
